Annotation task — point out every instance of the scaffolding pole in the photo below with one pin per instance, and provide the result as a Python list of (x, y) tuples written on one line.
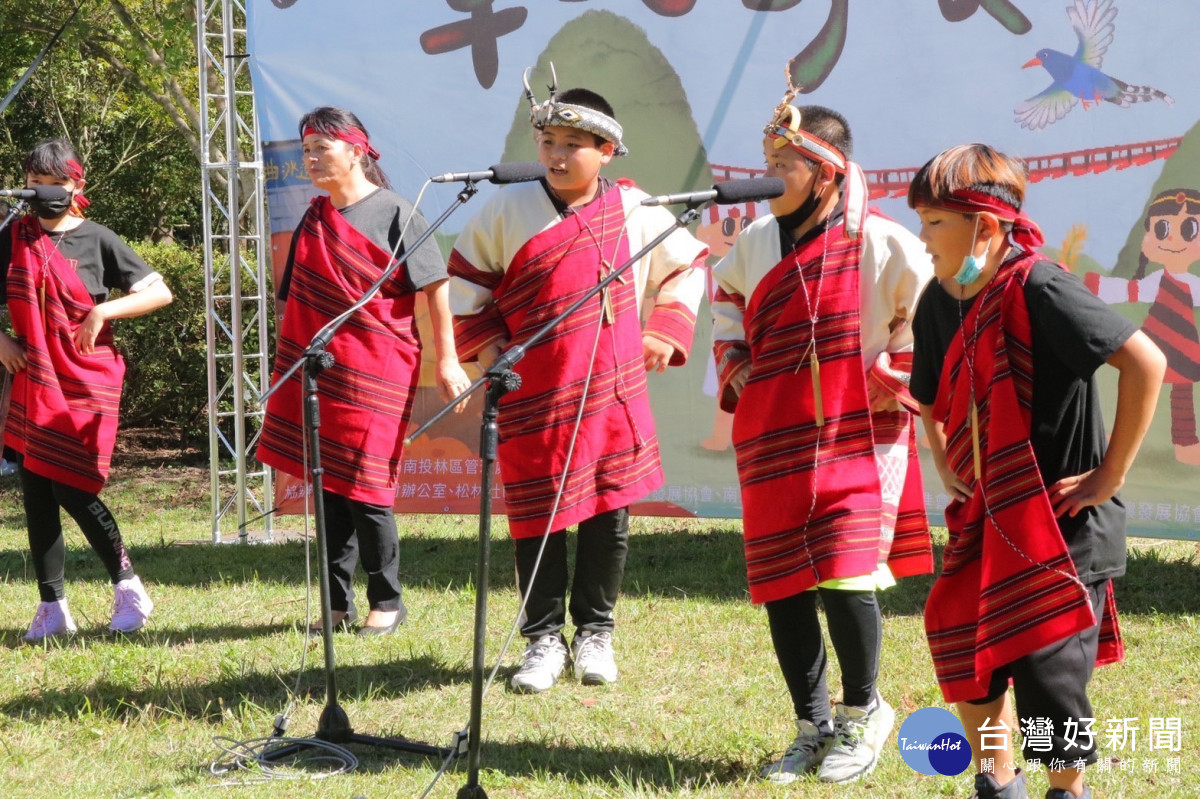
[(235, 272)]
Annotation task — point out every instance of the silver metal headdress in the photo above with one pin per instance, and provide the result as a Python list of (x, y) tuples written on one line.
[(553, 113)]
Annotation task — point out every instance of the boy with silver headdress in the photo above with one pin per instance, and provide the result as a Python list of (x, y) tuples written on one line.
[(813, 347), (578, 443)]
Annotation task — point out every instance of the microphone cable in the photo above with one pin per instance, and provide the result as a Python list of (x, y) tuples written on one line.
[(254, 756), (461, 737)]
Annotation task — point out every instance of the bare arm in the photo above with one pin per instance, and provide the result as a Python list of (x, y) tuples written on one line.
[(151, 298), (451, 378), (1141, 366), (12, 354), (956, 488)]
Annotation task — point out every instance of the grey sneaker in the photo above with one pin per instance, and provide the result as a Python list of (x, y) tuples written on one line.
[(541, 664), (986, 787), (593, 656), (804, 755), (859, 739), (1063, 793)]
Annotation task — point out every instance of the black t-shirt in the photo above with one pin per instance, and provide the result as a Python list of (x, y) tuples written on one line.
[(100, 258), (1074, 332), (380, 216)]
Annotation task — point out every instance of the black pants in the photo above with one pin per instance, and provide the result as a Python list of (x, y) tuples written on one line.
[(349, 526), (43, 499), (856, 630), (1051, 683), (600, 553)]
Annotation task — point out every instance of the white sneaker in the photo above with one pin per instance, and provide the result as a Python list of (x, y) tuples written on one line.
[(804, 755), (541, 665), (593, 656), (131, 606), (859, 738), (7, 468), (50, 620)]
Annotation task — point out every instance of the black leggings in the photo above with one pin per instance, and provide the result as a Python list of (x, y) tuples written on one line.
[(43, 498), (856, 630), (353, 528), (600, 553)]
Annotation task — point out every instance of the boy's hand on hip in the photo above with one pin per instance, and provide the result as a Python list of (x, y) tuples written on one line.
[(955, 487), (656, 354), (880, 400), (12, 354), (737, 383), (1072, 494), (85, 335)]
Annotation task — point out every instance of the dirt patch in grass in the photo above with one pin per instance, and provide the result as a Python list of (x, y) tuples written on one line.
[(139, 448)]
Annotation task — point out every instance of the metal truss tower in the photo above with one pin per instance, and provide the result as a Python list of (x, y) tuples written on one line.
[(235, 263)]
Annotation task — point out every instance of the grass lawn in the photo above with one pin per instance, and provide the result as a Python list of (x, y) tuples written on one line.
[(700, 707)]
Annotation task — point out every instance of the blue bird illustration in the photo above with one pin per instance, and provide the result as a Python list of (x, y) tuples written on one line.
[(1078, 77)]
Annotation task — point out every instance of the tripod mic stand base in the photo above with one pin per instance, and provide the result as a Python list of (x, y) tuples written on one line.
[(334, 727), (471, 792)]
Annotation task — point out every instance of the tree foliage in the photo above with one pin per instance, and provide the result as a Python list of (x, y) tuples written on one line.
[(121, 84)]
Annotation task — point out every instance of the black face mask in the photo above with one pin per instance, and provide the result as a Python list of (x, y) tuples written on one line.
[(794, 219), (52, 208)]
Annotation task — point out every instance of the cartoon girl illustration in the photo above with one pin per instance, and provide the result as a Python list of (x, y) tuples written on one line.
[(1172, 240)]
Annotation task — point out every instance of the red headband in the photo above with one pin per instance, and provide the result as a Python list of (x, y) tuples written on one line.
[(349, 135), (75, 172), (968, 201)]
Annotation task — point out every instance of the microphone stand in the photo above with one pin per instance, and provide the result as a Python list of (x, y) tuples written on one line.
[(13, 210), (334, 724), (501, 379)]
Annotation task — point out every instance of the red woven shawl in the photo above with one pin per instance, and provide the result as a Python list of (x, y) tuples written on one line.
[(366, 397), (616, 456), (1008, 586), (65, 404), (795, 540)]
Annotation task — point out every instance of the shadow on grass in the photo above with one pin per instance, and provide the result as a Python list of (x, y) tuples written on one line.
[(152, 636), (667, 562), (210, 701), (670, 564), (624, 769)]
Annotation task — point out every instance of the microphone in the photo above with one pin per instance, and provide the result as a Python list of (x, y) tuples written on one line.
[(517, 172), (43, 193), (730, 192)]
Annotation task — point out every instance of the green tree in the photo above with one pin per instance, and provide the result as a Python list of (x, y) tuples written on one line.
[(121, 84)]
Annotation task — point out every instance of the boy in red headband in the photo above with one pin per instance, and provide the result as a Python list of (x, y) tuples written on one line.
[(1007, 344), (533, 249), (67, 374), (812, 344)]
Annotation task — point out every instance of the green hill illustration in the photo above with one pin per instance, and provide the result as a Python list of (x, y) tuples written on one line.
[(608, 54)]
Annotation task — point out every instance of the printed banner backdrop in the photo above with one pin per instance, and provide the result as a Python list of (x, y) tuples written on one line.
[(1092, 97)]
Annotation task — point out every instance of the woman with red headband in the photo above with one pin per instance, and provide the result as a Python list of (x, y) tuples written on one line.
[(57, 270), (345, 241), (1006, 347)]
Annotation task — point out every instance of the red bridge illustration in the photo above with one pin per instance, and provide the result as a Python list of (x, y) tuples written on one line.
[(894, 182)]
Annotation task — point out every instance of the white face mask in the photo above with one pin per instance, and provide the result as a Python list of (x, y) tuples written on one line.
[(972, 265)]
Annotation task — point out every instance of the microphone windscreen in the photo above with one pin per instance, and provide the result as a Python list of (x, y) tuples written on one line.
[(50, 193), (750, 190), (517, 172)]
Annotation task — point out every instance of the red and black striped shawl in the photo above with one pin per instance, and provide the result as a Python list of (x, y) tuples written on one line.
[(367, 396), (65, 403), (813, 511), (1008, 586), (615, 459)]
